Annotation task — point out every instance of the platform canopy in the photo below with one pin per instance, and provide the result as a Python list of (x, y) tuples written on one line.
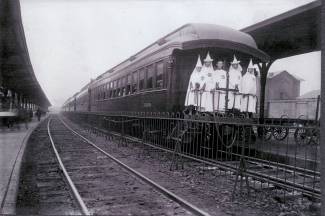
[(16, 71), (292, 33)]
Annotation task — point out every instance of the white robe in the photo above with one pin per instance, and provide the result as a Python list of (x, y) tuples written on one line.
[(248, 103), (235, 77), (210, 84), (192, 94), (219, 97)]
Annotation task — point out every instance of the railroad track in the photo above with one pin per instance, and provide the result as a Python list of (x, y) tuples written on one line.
[(101, 184), (43, 189), (273, 174)]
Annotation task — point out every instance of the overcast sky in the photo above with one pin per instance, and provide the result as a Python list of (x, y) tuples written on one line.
[(71, 41)]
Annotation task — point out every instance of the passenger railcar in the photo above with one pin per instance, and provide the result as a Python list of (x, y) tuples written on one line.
[(68, 105), (156, 78)]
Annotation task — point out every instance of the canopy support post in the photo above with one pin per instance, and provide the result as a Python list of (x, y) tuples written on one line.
[(264, 69)]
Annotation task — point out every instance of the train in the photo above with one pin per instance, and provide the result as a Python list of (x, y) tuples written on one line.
[(156, 78)]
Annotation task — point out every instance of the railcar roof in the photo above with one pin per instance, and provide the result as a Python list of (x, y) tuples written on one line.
[(67, 101), (190, 32)]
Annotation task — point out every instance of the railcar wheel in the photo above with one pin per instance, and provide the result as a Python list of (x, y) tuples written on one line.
[(267, 133), (300, 136), (229, 135), (248, 135), (306, 136), (280, 133), (314, 139)]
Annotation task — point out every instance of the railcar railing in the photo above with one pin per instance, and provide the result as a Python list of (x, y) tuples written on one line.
[(283, 155)]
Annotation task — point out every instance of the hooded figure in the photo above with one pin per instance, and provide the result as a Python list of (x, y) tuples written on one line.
[(194, 85), (248, 89), (235, 77), (221, 84), (210, 84)]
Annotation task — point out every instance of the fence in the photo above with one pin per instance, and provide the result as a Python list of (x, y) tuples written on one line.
[(285, 157)]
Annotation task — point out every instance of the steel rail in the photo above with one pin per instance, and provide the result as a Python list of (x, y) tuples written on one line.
[(72, 186), (190, 207)]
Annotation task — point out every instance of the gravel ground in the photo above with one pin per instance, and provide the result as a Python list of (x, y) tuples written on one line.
[(42, 190), (209, 188)]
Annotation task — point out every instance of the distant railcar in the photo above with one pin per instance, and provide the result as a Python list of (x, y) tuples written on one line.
[(156, 78), (304, 108)]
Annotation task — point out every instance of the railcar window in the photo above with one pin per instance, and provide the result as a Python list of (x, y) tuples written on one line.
[(115, 88), (118, 88), (100, 92), (160, 75), (135, 82), (128, 84), (123, 91), (141, 80), (150, 76), (110, 89), (106, 90), (121, 86)]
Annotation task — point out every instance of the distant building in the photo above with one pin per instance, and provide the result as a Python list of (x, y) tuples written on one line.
[(282, 85), (283, 100), (310, 94)]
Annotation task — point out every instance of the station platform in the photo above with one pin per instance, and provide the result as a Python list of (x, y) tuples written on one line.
[(12, 145)]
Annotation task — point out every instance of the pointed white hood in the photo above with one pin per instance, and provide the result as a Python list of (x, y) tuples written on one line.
[(199, 63), (250, 65), (208, 58), (235, 61)]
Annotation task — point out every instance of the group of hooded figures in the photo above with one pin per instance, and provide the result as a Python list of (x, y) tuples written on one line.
[(208, 87)]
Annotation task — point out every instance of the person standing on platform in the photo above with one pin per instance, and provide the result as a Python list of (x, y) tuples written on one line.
[(23, 116), (38, 114), (192, 94), (248, 101), (210, 84), (235, 76), (221, 84)]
